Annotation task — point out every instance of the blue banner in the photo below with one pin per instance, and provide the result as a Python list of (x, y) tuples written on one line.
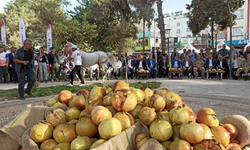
[(235, 42)]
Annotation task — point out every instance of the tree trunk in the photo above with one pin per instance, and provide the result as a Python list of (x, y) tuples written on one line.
[(143, 40), (161, 24), (122, 42), (212, 34)]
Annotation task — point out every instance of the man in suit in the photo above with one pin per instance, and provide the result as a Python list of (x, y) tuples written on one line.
[(151, 66), (183, 55), (174, 54), (187, 66), (130, 67), (141, 64), (163, 67), (13, 74), (158, 53), (222, 64), (176, 63), (163, 54), (211, 64)]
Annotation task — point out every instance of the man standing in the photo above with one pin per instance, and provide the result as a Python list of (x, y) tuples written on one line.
[(61, 59), (207, 52), (130, 67), (192, 55), (151, 66), (5, 49), (24, 59), (241, 52), (222, 64), (211, 64), (202, 54), (153, 53), (13, 74), (247, 52), (199, 65), (215, 53), (163, 54), (163, 66), (174, 54), (158, 53), (77, 59), (235, 51), (224, 52), (4, 62), (54, 64), (187, 65), (183, 55), (42, 58)]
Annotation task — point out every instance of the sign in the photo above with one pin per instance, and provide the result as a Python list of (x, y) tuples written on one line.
[(3, 35), (235, 42), (49, 37), (246, 36), (22, 33), (147, 34), (139, 45)]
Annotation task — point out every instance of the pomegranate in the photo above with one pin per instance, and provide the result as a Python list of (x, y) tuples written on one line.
[(179, 115), (176, 132), (49, 144), (161, 130), (112, 110), (41, 132), (125, 119), (157, 102), (80, 143), (72, 114), (107, 99), (64, 96), (98, 143), (80, 102), (124, 100), (147, 115), (92, 103), (52, 101), (86, 127), (100, 113), (178, 144), (173, 100), (56, 117), (161, 91), (232, 130), (208, 144), (221, 135), (59, 104), (208, 134), (74, 122), (107, 89), (64, 133), (83, 113), (120, 86), (163, 115), (208, 117), (97, 92), (192, 116), (233, 146), (141, 139), (83, 92), (109, 128), (71, 102), (62, 146), (148, 93), (140, 95), (192, 132), (166, 144), (135, 111)]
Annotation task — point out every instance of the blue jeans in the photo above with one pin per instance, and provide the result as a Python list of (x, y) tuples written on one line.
[(21, 79)]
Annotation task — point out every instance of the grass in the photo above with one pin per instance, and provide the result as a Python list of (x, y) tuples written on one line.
[(53, 90)]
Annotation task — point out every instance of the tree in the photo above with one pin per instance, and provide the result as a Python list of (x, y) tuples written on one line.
[(161, 24), (201, 16)]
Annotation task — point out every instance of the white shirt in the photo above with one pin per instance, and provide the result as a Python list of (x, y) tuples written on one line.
[(129, 63), (7, 52), (221, 64), (93, 67), (175, 64), (119, 64), (76, 55), (236, 63), (210, 63), (140, 64), (187, 65)]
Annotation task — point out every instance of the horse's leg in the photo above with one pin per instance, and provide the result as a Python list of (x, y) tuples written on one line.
[(105, 73)]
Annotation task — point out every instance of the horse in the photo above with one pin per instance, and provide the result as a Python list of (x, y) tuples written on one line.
[(101, 58)]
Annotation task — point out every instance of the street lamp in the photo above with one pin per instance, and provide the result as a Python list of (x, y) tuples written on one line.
[(168, 32)]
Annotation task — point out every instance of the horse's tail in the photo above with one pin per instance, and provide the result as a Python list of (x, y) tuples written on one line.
[(112, 60)]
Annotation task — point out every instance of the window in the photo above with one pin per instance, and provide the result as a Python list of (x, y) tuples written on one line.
[(239, 14), (221, 35), (188, 30), (237, 31), (178, 24), (156, 40), (168, 25), (187, 22), (178, 31)]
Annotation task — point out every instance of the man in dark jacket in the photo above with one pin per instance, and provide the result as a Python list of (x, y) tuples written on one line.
[(141, 64), (211, 64), (163, 67), (223, 65), (24, 60), (130, 67), (247, 52), (54, 64), (187, 66), (12, 64)]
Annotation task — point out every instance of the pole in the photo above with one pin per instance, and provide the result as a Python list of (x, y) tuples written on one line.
[(168, 51), (216, 40), (231, 40)]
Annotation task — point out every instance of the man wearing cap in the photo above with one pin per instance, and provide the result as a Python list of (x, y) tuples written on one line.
[(245, 68), (199, 65), (224, 52), (151, 66), (77, 59)]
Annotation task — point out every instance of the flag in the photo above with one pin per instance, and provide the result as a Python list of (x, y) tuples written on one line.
[(22, 33), (3, 35), (153, 1), (49, 37)]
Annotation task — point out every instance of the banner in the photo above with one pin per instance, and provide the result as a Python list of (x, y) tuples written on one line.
[(3, 35), (49, 37), (22, 33)]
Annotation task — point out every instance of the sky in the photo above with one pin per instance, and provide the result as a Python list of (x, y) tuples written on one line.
[(168, 5)]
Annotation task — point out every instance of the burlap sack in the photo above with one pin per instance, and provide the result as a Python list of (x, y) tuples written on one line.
[(27, 142), (152, 144), (243, 126), (27, 119), (4, 138), (125, 140)]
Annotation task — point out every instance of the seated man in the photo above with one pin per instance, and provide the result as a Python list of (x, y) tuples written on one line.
[(236, 64), (151, 66), (130, 67), (94, 68), (210, 65), (141, 64), (187, 65), (67, 68), (223, 65), (118, 70), (245, 68), (199, 65), (176, 63), (163, 66)]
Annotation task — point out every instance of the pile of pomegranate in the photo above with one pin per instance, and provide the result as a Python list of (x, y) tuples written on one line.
[(94, 117)]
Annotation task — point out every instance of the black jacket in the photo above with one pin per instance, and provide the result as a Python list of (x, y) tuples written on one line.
[(51, 59), (224, 63), (143, 64)]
